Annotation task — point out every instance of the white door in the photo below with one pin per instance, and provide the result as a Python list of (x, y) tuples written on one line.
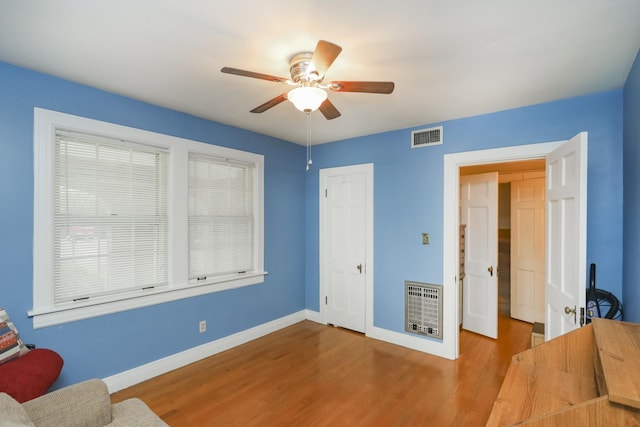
[(479, 211), (566, 236), (527, 249), (344, 267)]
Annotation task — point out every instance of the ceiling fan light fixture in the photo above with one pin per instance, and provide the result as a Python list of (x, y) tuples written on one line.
[(307, 71), (307, 98)]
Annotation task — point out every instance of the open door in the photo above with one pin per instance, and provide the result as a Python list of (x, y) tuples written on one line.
[(566, 237), (479, 211)]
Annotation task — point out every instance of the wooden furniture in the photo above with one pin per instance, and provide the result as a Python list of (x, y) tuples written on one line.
[(588, 377)]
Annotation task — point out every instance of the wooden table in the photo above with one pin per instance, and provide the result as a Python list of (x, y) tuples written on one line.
[(588, 377)]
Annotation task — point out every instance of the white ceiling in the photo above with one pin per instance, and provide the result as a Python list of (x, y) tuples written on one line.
[(449, 59)]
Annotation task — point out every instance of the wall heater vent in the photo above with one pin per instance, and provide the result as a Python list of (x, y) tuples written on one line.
[(423, 309), (426, 137)]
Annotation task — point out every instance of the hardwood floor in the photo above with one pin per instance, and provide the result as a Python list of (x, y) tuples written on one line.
[(315, 375)]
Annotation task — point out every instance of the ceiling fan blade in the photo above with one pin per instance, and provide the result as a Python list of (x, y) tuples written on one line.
[(324, 55), (328, 110), (261, 76), (270, 103), (367, 87)]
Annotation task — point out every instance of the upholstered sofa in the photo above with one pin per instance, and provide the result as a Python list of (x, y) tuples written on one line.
[(84, 404)]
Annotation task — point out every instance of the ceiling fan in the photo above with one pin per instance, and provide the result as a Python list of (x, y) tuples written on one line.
[(307, 73)]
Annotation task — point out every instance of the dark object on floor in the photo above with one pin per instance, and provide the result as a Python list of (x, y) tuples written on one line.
[(600, 303)]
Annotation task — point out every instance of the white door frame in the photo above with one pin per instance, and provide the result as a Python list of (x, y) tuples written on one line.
[(367, 170), (451, 219)]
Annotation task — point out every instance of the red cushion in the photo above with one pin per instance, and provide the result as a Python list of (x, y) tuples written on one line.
[(31, 375)]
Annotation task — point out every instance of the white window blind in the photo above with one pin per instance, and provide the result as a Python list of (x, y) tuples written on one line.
[(221, 217), (110, 216)]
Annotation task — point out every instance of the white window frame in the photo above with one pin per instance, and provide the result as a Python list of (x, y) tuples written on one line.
[(45, 312)]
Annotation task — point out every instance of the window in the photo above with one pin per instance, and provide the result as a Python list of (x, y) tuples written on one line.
[(125, 218), (220, 217), (110, 221)]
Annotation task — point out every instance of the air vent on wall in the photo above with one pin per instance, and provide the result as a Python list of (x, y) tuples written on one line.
[(426, 137), (423, 309)]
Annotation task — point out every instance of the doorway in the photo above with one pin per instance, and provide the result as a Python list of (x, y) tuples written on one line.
[(566, 245), (451, 232), (518, 220)]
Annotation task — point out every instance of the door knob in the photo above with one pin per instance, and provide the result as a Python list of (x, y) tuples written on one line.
[(568, 310), (359, 267), (490, 270)]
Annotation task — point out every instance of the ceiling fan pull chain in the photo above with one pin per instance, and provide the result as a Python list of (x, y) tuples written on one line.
[(309, 161)]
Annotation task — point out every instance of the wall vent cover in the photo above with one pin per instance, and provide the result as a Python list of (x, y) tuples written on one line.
[(423, 309), (426, 137)]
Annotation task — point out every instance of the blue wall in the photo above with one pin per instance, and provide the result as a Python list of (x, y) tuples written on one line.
[(408, 201), (631, 275), (106, 345), (408, 194)]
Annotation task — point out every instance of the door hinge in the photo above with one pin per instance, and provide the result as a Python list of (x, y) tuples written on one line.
[(326, 300), (325, 193), (582, 317)]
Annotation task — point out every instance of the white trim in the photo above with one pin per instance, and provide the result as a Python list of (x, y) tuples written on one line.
[(409, 341), (45, 312), (451, 216), (314, 316), (367, 170), (149, 370), (54, 316), (425, 345)]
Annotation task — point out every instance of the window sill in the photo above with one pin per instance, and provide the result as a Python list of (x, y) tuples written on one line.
[(43, 317)]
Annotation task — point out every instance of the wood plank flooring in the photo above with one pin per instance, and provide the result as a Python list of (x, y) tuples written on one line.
[(315, 375)]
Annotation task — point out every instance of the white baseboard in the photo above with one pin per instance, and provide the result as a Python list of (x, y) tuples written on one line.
[(314, 316), (144, 372), (149, 370), (415, 343)]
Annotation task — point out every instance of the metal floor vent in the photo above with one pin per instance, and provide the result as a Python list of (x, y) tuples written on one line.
[(426, 137), (423, 309)]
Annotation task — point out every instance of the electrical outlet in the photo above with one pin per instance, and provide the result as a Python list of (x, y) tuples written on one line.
[(203, 326)]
